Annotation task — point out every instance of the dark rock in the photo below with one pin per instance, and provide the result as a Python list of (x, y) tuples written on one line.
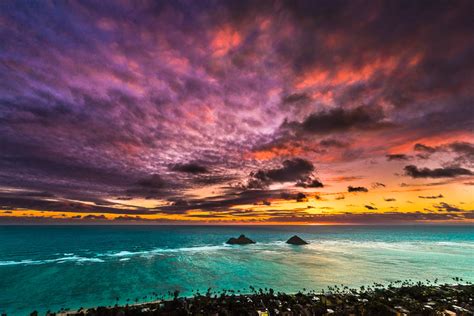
[(295, 240), (242, 240)]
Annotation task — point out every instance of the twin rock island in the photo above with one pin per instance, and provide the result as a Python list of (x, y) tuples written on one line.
[(243, 240)]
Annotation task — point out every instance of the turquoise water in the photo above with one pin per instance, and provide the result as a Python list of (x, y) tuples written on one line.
[(50, 267)]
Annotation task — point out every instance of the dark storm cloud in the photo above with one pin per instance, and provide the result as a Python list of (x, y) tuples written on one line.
[(296, 169), (446, 172), (296, 97), (222, 203), (439, 196), (424, 148), (37, 194), (192, 168), (29, 202), (153, 186), (298, 197), (463, 148), (310, 183), (154, 181), (463, 151), (214, 179), (445, 207), (332, 142), (39, 167), (370, 207), (389, 200), (292, 169), (391, 157), (340, 119), (219, 203), (357, 189)]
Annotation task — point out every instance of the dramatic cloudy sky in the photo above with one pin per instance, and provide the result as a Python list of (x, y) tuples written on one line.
[(237, 111)]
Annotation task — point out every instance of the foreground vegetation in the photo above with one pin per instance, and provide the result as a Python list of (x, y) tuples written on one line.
[(397, 298)]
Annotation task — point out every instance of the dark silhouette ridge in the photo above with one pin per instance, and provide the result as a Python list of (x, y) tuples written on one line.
[(295, 240), (242, 240), (399, 297)]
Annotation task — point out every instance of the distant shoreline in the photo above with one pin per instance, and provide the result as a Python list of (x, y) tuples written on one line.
[(397, 298)]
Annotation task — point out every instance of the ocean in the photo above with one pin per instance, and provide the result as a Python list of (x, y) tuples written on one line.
[(52, 267)]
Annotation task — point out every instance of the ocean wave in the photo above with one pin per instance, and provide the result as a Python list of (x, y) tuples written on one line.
[(123, 255), (72, 258), (455, 244), (25, 262), (316, 245), (347, 244), (344, 245), (157, 251)]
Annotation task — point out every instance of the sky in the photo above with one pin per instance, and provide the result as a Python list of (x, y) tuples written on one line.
[(237, 112)]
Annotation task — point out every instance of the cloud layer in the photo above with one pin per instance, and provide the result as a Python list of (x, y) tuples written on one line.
[(199, 109)]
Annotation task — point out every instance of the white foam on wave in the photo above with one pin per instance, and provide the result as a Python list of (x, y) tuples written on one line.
[(72, 258), (26, 261), (455, 244), (158, 251), (420, 245), (123, 255), (272, 243)]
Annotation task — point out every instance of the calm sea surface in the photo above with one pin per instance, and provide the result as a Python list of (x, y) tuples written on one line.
[(50, 267)]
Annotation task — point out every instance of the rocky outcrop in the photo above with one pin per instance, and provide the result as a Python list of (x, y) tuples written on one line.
[(242, 240), (295, 240)]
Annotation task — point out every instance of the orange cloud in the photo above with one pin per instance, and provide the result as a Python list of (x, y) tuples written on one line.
[(224, 40), (346, 74), (275, 152), (434, 141)]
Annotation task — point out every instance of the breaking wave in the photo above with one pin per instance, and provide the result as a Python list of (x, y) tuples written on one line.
[(72, 258), (334, 246)]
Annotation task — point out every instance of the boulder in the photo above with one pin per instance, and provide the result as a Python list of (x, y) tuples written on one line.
[(295, 240), (242, 240)]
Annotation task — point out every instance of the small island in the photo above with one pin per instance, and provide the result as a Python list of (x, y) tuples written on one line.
[(295, 240), (242, 240)]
